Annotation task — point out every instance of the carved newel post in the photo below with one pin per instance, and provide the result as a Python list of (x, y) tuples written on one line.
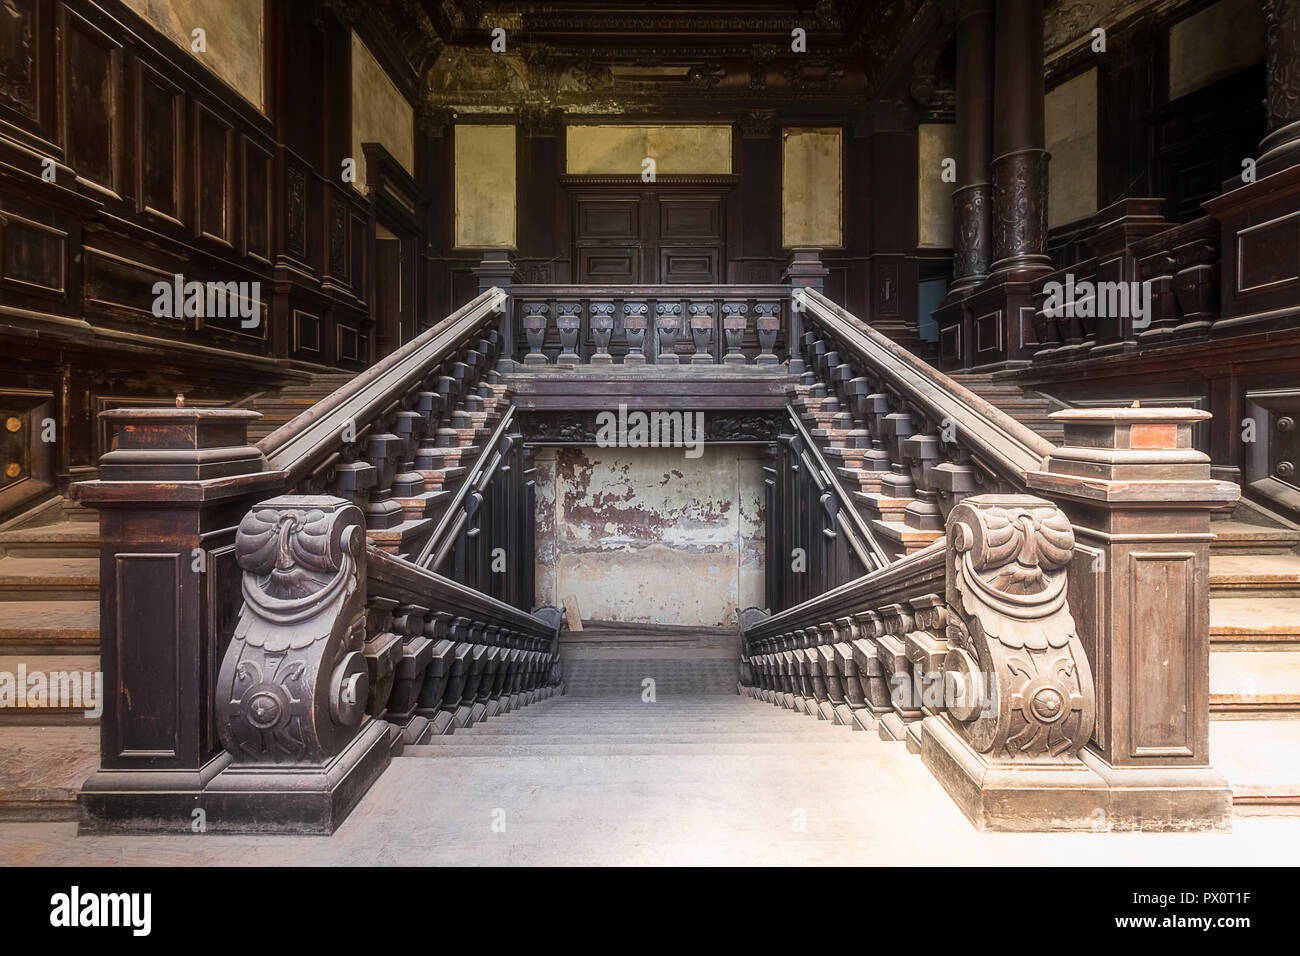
[(634, 328), (733, 327), (602, 327), (1018, 694), (568, 320), (1140, 496), (534, 322), (668, 324), (702, 332), (768, 324)]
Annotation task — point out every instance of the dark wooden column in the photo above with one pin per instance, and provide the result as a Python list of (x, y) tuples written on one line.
[(1019, 167), (971, 236), (972, 243), (1281, 147)]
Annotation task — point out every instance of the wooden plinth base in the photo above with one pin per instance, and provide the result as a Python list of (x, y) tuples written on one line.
[(1082, 795), (306, 801)]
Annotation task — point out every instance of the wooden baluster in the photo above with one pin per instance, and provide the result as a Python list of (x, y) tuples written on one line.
[(601, 317), (634, 329), (768, 324), (534, 323), (668, 323), (569, 321), (701, 318), (734, 323), (417, 652)]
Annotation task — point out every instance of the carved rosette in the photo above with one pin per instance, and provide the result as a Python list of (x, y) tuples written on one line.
[(294, 685), (1020, 209), (1018, 681)]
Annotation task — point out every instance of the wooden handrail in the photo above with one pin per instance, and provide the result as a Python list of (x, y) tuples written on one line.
[(453, 518), (1009, 448), (860, 536), (304, 443), (914, 575), (408, 583)]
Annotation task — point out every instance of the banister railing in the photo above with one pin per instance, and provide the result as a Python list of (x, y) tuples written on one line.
[(272, 650), (1022, 572), (857, 532), (308, 442), (651, 324), (1012, 449)]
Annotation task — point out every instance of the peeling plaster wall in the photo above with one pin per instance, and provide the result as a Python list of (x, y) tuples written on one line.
[(648, 535)]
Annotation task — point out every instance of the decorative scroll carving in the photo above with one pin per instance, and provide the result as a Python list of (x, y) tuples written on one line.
[(294, 683), (1006, 590), (573, 427)]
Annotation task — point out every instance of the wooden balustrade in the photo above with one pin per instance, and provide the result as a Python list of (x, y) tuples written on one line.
[(1118, 538), (655, 325), (272, 641)]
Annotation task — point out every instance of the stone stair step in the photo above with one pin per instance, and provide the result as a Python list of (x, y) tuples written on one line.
[(71, 538), (1258, 757), (43, 579), (62, 625), (1256, 574), (29, 708), (1231, 536), (1237, 620), (42, 769), (1255, 681)]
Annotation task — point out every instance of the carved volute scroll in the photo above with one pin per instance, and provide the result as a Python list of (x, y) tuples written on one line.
[(1010, 621), (294, 685)]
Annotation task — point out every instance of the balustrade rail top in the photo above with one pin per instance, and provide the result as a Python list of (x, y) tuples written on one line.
[(588, 291), (914, 575), (998, 439), (435, 550), (408, 583), (868, 549), (298, 444)]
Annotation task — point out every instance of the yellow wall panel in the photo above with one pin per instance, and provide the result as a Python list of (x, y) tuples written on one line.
[(812, 187), (614, 150), (485, 187)]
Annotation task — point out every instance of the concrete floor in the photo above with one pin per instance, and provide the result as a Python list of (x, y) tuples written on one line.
[(701, 780)]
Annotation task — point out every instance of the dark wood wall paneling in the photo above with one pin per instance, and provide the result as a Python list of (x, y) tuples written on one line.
[(162, 169)]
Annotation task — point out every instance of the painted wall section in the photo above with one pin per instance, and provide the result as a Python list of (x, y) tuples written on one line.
[(380, 113), (1071, 127), (485, 187), (935, 142), (1214, 43), (812, 187), (647, 535), (234, 34), (615, 150)]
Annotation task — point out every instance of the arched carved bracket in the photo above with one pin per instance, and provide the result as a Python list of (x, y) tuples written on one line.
[(1010, 631), (293, 685)]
